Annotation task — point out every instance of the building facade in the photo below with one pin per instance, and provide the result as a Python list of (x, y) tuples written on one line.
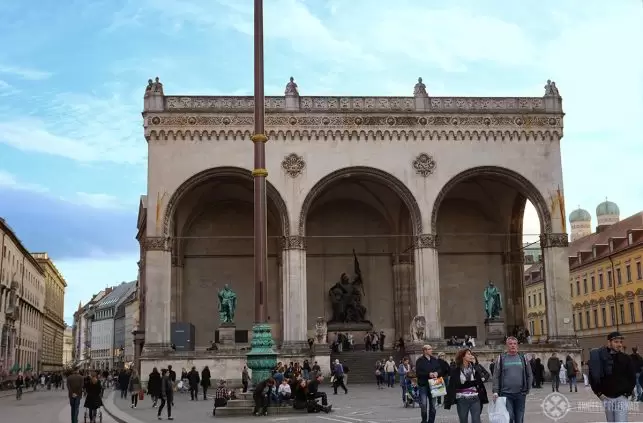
[(22, 300), (82, 330), (103, 349), (68, 347), (405, 182), (131, 326), (51, 358), (606, 281), (536, 308)]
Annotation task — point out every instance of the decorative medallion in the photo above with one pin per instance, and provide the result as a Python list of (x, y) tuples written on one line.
[(422, 121), (424, 164), (156, 120), (226, 121), (293, 164), (191, 120)]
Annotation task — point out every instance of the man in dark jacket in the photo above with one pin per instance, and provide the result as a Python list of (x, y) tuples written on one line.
[(612, 377), (75, 385), (261, 396), (553, 365), (193, 380), (167, 395), (123, 383), (427, 367)]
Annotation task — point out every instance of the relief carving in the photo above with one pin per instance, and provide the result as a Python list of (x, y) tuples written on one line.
[(293, 164), (553, 240), (156, 243), (293, 243), (427, 241), (424, 165)]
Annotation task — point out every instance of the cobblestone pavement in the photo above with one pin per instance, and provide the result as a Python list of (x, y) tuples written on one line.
[(40, 407), (366, 404)]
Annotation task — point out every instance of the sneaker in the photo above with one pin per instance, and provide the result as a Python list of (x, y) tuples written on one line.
[(170, 418)]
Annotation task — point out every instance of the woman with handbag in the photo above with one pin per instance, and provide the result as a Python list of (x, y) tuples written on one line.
[(134, 388), (466, 388)]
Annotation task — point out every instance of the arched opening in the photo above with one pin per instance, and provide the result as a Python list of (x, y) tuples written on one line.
[(478, 217), (211, 222), (372, 213)]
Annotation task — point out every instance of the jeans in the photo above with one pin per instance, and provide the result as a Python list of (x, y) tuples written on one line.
[(74, 404), (427, 405), (639, 389), (516, 407), (466, 406), (339, 383), (573, 383), (616, 409), (404, 390), (555, 381), (124, 393), (135, 399), (164, 402), (390, 379)]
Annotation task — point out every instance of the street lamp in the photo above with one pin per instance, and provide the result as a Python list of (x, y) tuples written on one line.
[(262, 357)]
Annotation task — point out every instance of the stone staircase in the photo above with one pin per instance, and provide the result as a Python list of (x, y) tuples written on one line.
[(361, 364), (244, 406)]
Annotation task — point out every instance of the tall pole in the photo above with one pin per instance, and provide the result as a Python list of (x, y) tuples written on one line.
[(261, 358)]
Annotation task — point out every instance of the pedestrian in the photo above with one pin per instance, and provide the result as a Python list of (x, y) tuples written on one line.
[(205, 381), (466, 387), (134, 388), (512, 379), (612, 377), (167, 395), (427, 367), (554, 366), (75, 383), (637, 363)]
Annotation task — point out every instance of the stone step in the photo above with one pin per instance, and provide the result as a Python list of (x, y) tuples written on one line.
[(241, 403), (229, 411)]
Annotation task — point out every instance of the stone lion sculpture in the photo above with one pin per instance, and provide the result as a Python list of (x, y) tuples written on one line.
[(418, 328), (321, 330)]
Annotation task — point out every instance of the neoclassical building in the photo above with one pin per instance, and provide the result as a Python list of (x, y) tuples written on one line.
[(428, 191)]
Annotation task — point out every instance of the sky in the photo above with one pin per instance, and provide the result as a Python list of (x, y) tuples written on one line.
[(73, 74)]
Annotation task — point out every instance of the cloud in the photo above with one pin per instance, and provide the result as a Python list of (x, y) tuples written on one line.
[(87, 276), (81, 127), (86, 226), (24, 73)]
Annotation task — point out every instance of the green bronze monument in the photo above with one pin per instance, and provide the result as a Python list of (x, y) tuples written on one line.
[(492, 301), (227, 304)]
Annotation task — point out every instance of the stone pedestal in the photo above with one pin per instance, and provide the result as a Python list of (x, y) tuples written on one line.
[(226, 334), (495, 331)]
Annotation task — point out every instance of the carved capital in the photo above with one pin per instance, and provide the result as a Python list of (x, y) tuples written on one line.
[(294, 242), (156, 243), (426, 241), (549, 240)]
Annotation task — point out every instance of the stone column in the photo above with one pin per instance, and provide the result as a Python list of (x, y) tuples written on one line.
[(558, 298), (177, 289), (427, 284), (403, 277), (513, 263), (295, 313), (158, 271)]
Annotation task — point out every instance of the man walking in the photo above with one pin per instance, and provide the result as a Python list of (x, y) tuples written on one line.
[(553, 365), (75, 384), (612, 377), (637, 363), (427, 367), (512, 379)]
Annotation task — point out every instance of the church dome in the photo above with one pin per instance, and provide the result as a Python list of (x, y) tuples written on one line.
[(607, 208), (580, 215)]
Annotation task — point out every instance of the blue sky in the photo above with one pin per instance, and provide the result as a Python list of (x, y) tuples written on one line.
[(73, 73)]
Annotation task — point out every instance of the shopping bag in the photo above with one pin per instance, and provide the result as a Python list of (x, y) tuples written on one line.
[(498, 411), (438, 388), (141, 395)]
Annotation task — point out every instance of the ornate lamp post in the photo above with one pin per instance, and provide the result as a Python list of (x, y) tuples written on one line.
[(262, 357)]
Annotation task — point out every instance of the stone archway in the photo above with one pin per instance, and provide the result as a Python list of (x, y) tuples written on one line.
[(477, 217), (210, 221), (375, 214)]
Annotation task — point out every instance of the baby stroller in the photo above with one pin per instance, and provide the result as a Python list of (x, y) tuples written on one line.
[(412, 395)]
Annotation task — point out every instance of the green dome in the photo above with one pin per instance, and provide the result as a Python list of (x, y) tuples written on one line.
[(607, 207), (580, 215)]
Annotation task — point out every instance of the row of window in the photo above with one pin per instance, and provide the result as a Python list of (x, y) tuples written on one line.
[(533, 303), (590, 320), (537, 331), (601, 285), (14, 268)]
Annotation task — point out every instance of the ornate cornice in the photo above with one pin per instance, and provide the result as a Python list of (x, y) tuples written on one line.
[(488, 127), (293, 243), (356, 104), (157, 243), (551, 240), (426, 241)]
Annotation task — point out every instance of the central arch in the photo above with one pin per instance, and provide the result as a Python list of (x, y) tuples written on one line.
[(372, 213)]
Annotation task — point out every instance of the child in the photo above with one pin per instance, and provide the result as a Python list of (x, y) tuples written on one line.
[(412, 395), (284, 392)]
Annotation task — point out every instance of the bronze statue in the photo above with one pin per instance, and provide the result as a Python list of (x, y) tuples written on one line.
[(492, 301), (346, 297), (227, 304)]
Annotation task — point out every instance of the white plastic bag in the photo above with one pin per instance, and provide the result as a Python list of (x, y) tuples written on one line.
[(498, 411)]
